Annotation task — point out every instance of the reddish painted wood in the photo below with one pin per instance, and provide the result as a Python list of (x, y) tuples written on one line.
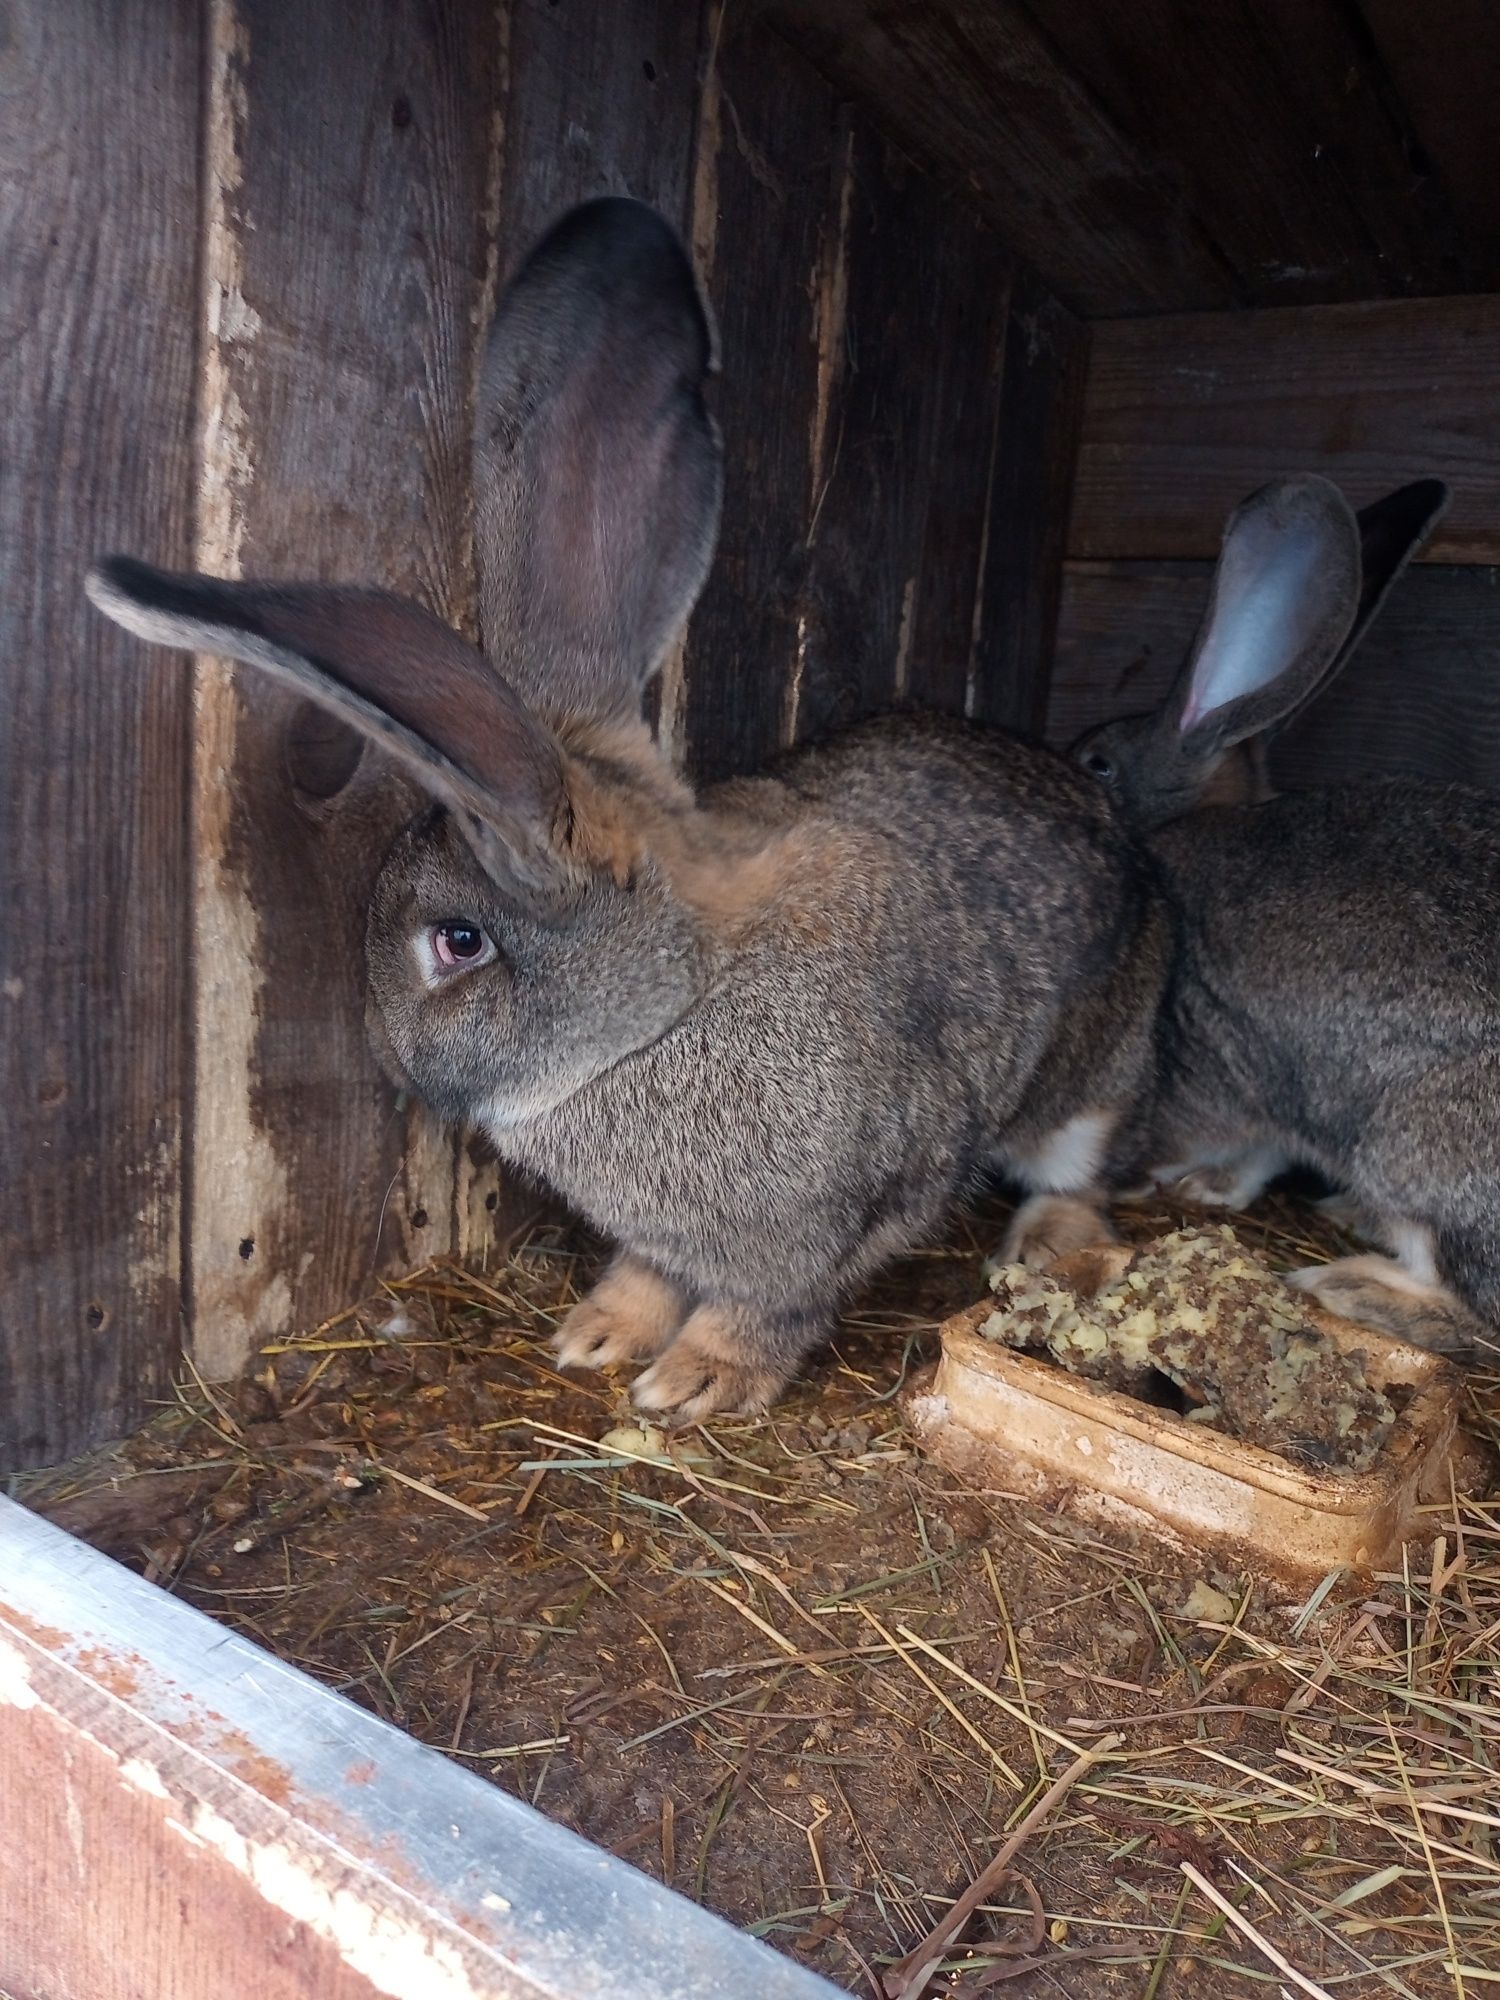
[(184, 1816), (1420, 697), (98, 150), (1185, 415)]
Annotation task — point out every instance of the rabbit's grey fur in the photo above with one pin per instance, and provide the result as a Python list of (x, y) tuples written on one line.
[(1335, 994), (1336, 997), (760, 1038)]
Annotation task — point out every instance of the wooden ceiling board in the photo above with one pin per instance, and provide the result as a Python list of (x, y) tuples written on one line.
[(1177, 155)]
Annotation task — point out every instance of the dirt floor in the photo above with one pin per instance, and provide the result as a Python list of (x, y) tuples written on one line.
[(814, 1682)]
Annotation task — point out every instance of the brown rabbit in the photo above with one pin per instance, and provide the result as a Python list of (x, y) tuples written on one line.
[(762, 1038)]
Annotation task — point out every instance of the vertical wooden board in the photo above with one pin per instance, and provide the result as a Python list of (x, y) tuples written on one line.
[(98, 239), (1123, 630), (350, 174), (602, 101), (1036, 448), (914, 299), (764, 200), (967, 360)]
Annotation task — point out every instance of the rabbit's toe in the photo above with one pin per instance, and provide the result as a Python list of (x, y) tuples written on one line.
[(1345, 1213), (1234, 1181), (712, 1367), (1379, 1293), (630, 1315)]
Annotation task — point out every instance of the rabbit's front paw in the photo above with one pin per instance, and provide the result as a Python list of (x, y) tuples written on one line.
[(630, 1315), (1049, 1226), (715, 1364)]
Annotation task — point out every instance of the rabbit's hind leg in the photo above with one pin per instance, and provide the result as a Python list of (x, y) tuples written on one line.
[(1404, 1296), (630, 1315)]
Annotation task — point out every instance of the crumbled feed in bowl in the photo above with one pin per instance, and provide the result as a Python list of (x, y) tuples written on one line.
[(1200, 1309)]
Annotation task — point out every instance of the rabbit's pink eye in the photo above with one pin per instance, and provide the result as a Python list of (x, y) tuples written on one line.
[(459, 944)]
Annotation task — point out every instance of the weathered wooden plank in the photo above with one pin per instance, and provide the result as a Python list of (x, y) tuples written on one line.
[(909, 351), (1443, 61), (350, 175), (98, 144), (764, 201), (1280, 124), (601, 101), (976, 90), (1184, 416), (1041, 405), (187, 1817), (1421, 697)]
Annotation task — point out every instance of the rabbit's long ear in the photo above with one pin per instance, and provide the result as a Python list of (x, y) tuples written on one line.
[(597, 467), (1285, 595), (383, 665), (1392, 532)]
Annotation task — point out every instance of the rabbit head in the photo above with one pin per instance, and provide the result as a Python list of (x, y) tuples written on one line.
[(523, 935), (1299, 578)]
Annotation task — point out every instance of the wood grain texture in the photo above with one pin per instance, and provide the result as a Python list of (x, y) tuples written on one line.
[(602, 100), (1443, 63), (766, 176), (1036, 445), (1184, 416), (349, 181), (1421, 697), (976, 90), (1279, 122), (910, 349), (98, 145)]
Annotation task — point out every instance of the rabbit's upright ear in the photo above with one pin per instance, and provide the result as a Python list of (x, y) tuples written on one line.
[(1393, 531), (388, 668), (597, 467), (1285, 595)]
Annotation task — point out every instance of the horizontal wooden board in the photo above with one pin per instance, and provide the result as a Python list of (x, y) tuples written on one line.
[(1185, 415), (1421, 697)]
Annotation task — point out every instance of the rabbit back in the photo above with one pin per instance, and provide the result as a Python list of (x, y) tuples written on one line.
[(886, 1028)]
